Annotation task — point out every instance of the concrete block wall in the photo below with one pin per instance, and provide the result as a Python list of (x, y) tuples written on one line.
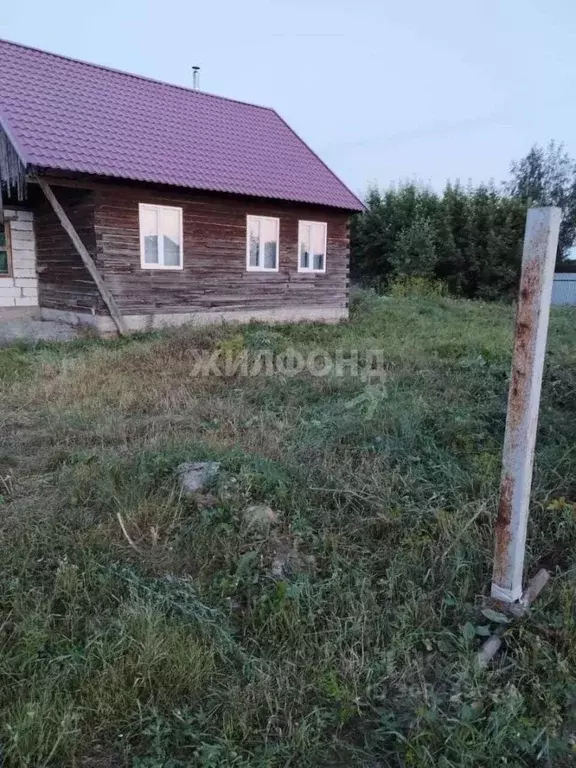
[(21, 288)]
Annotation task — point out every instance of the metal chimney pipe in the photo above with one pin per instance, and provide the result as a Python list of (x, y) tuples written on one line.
[(195, 78)]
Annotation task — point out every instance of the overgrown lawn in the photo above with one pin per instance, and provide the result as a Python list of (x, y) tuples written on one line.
[(179, 644)]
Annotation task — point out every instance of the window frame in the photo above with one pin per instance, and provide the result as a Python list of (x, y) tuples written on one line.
[(249, 267), (8, 249), (161, 266), (303, 222)]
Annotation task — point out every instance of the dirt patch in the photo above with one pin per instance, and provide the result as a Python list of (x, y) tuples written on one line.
[(30, 329)]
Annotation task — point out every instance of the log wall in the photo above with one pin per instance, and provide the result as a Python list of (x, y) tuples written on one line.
[(214, 277), (63, 281)]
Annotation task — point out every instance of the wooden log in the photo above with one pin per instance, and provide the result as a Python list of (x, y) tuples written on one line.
[(535, 586), (491, 646)]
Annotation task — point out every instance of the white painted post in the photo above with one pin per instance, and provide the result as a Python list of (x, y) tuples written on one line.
[(538, 259)]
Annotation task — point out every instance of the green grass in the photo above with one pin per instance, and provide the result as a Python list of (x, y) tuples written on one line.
[(184, 649)]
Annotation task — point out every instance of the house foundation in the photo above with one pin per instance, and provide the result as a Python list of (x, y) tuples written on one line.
[(148, 322)]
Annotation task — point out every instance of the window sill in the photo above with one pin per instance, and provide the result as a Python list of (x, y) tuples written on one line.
[(262, 269), (160, 268), (311, 271)]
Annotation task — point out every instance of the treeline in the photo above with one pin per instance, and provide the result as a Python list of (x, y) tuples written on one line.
[(468, 238)]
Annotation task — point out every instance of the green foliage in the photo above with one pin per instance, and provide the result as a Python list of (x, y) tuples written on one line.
[(469, 237), (415, 251), (417, 286), (547, 176)]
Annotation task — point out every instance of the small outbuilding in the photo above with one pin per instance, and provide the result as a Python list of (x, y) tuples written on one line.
[(129, 203)]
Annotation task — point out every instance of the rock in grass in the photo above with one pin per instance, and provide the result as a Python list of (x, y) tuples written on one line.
[(287, 562), (259, 516), (206, 500), (194, 476)]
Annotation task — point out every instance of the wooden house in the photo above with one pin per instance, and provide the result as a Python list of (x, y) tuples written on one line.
[(130, 203)]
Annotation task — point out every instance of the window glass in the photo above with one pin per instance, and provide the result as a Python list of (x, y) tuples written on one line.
[(161, 236), (171, 234), (318, 245), (254, 244), (269, 234), (305, 246), (149, 224), (262, 243), (312, 246)]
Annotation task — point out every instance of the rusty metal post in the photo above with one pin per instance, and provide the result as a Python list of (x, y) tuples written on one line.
[(538, 259)]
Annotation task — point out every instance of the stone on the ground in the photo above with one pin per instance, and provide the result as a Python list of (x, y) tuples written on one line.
[(206, 500), (260, 516), (288, 562), (195, 475)]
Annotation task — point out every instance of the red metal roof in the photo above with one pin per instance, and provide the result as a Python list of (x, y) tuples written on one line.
[(67, 115)]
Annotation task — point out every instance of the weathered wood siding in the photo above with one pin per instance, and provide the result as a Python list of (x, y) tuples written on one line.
[(214, 277), (63, 281)]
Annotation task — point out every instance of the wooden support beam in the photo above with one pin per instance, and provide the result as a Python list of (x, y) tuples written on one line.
[(84, 255), (492, 645)]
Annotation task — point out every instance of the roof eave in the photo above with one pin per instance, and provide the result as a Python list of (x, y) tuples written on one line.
[(69, 174), (13, 166)]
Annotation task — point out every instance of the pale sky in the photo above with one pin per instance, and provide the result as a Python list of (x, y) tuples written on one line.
[(383, 91)]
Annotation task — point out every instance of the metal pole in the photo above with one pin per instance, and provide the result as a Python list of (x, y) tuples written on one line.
[(538, 259)]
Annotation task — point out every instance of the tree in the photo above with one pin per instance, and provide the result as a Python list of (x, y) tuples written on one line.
[(369, 238), (547, 176), (415, 252), (375, 233), (470, 238), (451, 242)]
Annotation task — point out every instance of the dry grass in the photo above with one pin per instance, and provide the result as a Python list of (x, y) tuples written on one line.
[(171, 643)]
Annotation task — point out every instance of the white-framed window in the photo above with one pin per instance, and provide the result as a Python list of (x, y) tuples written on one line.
[(262, 243), (312, 246), (160, 237)]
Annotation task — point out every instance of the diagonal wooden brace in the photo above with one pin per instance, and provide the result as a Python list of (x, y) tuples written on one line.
[(84, 255)]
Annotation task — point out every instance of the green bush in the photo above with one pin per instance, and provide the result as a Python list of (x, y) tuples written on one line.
[(470, 238), (423, 287)]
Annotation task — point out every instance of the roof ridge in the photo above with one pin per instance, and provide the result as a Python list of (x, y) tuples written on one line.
[(133, 74)]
